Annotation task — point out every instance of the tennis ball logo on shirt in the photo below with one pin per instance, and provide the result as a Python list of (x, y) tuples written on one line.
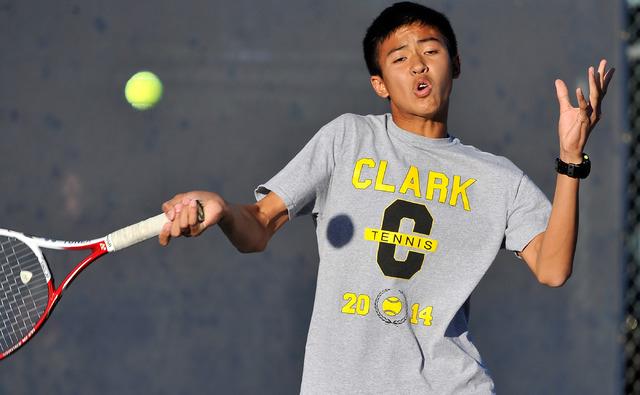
[(390, 306)]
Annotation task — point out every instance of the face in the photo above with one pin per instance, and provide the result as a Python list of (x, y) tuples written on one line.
[(417, 75)]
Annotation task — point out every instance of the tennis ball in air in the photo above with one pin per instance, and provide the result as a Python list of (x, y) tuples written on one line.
[(143, 90)]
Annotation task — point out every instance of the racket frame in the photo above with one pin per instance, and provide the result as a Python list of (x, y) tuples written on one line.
[(98, 247), (114, 241)]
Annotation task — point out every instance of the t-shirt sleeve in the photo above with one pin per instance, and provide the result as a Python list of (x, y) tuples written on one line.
[(303, 183), (528, 216)]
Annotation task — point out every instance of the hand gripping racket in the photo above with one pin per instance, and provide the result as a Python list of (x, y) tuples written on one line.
[(27, 290)]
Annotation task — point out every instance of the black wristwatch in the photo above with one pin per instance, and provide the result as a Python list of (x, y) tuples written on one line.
[(580, 170)]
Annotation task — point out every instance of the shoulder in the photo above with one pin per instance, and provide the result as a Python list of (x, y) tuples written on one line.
[(350, 128), (357, 122), (489, 161)]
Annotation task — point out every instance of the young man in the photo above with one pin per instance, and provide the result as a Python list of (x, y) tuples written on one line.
[(428, 216)]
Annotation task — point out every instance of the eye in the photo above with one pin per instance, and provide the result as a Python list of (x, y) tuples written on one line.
[(398, 60), (431, 52)]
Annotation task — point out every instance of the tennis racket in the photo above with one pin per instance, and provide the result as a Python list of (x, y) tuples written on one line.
[(27, 290)]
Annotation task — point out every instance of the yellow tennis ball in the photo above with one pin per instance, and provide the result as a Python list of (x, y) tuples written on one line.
[(392, 306), (143, 90)]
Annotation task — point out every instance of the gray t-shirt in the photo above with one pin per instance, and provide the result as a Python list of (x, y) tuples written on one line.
[(406, 228)]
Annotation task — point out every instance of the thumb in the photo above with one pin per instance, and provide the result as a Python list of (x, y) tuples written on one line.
[(165, 235), (563, 96)]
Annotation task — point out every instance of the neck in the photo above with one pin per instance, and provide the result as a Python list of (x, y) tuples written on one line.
[(423, 127)]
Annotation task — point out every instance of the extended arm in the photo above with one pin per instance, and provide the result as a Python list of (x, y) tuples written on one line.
[(249, 227), (550, 255)]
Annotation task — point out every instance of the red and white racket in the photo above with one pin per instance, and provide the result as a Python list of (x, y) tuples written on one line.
[(27, 290)]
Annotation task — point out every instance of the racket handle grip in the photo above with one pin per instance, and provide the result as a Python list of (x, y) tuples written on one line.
[(136, 233)]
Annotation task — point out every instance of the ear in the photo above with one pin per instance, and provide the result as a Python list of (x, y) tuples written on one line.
[(379, 86), (455, 66)]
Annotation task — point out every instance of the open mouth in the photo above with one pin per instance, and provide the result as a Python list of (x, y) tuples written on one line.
[(422, 88)]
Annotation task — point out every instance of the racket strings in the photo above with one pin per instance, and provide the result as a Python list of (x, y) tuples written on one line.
[(24, 293)]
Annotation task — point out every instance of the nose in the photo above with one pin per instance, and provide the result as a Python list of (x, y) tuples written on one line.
[(419, 67)]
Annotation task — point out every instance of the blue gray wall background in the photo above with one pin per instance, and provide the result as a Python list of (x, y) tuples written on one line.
[(247, 83)]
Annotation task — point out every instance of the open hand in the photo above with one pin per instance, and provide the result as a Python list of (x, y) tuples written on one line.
[(576, 124)]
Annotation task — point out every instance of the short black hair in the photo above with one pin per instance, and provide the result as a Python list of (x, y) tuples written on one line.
[(404, 14)]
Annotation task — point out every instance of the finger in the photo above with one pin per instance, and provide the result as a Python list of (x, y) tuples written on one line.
[(169, 211), (603, 74), (192, 216), (607, 78), (184, 213), (176, 229), (169, 206), (189, 218), (595, 87), (585, 110), (595, 93), (177, 208), (582, 102), (602, 67), (165, 234), (599, 83), (563, 96)]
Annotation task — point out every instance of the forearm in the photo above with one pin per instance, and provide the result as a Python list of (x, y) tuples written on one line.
[(249, 227), (245, 227), (553, 259)]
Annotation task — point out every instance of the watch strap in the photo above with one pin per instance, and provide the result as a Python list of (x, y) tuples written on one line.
[(580, 170)]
